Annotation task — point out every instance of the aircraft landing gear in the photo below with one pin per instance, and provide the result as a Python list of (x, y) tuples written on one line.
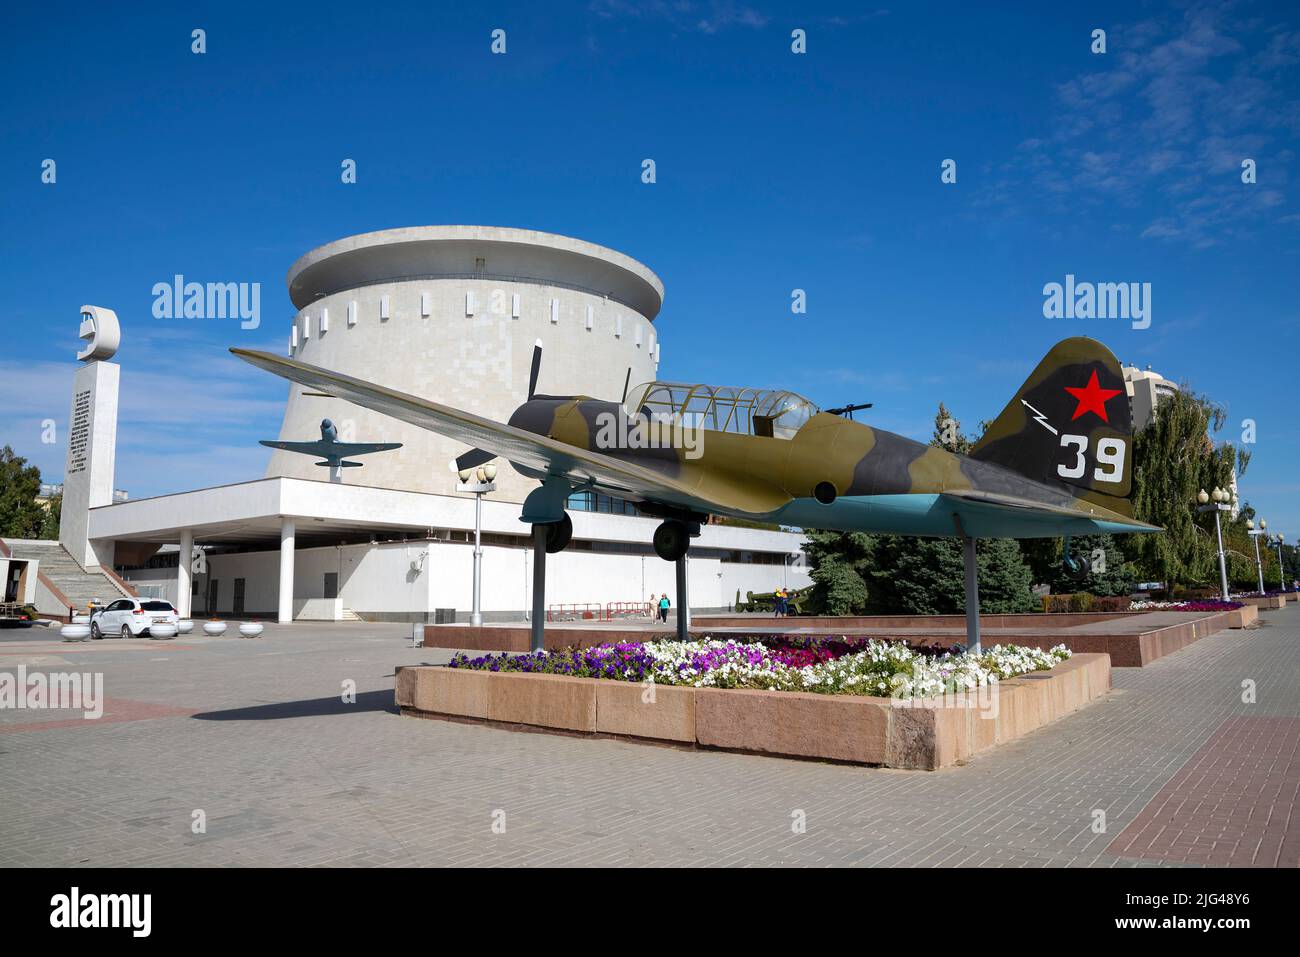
[(548, 538), (1074, 566), (559, 534), (672, 540)]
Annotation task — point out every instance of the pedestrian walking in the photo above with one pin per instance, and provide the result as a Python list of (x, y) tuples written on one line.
[(663, 607)]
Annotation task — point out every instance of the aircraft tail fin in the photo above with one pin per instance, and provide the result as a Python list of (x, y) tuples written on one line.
[(1071, 423)]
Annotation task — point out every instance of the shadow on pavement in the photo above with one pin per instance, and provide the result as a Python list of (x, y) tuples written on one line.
[(317, 707)]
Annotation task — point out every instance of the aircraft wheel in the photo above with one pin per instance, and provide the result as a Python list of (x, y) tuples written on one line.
[(672, 539), (559, 534), (1075, 567)]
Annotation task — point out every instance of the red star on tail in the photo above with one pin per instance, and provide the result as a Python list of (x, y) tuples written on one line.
[(1092, 398)]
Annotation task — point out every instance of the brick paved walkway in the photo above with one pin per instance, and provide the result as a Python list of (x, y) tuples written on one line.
[(286, 773)]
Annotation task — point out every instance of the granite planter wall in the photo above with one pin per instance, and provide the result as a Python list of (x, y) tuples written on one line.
[(849, 728)]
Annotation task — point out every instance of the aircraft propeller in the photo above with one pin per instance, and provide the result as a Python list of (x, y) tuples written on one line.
[(476, 457)]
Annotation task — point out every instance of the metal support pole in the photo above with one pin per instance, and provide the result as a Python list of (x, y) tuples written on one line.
[(1223, 562), (972, 596), (336, 474), (476, 615), (1281, 570), (1259, 565), (539, 586), (683, 603)]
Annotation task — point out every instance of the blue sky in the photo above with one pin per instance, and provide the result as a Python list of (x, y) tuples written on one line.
[(775, 171)]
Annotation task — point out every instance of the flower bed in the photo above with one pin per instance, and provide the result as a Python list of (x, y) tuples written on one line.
[(1186, 605), (823, 666), (919, 733)]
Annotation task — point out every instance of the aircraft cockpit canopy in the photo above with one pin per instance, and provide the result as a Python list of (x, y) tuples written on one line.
[(766, 412)]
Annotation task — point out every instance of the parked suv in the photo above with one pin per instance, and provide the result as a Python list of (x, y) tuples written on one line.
[(131, 617)]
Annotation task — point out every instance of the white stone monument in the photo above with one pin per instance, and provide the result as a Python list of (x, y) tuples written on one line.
[(92, 434)]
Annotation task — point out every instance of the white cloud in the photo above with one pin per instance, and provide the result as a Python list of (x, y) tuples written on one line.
[(184, 420), (1166, 118)]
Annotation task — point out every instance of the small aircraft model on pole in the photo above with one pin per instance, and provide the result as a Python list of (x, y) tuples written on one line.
[(332, 450), (1056, 461)]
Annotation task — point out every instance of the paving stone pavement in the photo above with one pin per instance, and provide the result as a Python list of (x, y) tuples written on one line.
[(254, 734)]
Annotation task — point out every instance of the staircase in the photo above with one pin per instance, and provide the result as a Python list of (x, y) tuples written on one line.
[(350, 615), (61, 570)]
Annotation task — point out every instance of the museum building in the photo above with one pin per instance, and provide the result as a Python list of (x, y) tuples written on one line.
[(451, 314)]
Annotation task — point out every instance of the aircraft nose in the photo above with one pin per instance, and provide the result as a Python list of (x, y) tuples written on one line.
[(326, 424)]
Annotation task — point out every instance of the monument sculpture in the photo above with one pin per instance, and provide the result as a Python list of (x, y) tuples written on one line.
[(92, 434), (1056, 461)]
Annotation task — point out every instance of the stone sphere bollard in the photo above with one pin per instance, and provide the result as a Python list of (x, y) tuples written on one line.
[(214, 629), (75, 632), (162, 632), (184, 626), (250, 629)]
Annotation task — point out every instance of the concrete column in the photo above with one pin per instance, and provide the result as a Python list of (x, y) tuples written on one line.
[(184, 573), (286, 570)]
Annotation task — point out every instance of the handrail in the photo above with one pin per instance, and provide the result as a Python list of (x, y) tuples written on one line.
[(577, 609), (64, 600), (629, 609), (123, 586)]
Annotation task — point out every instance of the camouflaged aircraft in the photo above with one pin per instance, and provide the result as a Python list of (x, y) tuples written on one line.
[(1055, 462)]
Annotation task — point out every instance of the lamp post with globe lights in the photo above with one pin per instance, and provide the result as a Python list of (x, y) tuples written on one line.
[(1216, 502), (485, 476), (1256, 534)]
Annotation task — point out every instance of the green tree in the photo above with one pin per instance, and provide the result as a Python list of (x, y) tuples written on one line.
[(1291, 559), (840, 561), (927, 576), (948, 434), (50, 520), (1173, 458), (20, 515)]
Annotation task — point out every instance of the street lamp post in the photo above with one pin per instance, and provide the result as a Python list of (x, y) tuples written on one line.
[(1255, 533), (485, 476), (1219, 504), (1281, 569)]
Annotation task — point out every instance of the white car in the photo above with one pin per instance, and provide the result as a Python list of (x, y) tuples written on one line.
[(131, 617)]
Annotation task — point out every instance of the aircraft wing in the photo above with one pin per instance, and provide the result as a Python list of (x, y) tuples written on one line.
[(696, 489), (363, 448), (318, 447), (1089, 511)]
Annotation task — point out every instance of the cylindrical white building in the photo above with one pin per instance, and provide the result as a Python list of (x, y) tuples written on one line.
[(451, 314)]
